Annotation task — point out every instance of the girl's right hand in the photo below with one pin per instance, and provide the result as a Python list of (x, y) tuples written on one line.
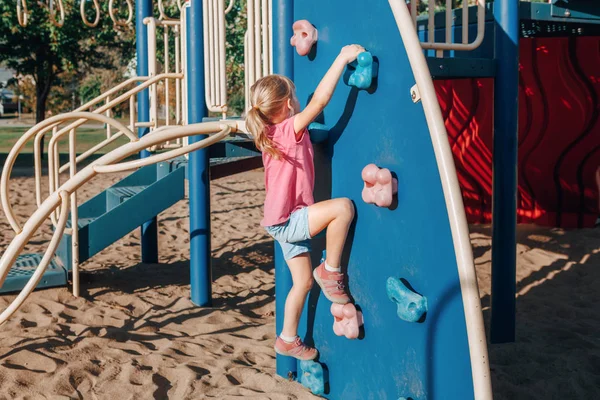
[(350, 52)]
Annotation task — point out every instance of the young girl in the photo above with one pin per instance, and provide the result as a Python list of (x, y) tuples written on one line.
[(291, 215)]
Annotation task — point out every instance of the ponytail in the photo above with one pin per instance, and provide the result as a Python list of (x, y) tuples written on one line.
[(258, 125), (268, 96)]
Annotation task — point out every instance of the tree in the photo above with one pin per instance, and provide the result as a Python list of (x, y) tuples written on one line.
[(235, 29), (45, 51)]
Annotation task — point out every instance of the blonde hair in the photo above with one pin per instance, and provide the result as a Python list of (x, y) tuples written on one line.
[(269, 97)]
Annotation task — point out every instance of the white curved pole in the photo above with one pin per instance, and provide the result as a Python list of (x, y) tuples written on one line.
[(229, 7), (120, 22), (22, 13), (84, 18), (61, 196), (456, 213), (91, 151), (135, 164), (163, 14), (12, 156), (29, 228), (52, 12), (128, 95), (448, 45), (39, 272), (222, 60)]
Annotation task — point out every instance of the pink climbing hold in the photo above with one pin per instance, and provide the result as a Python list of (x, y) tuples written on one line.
[(380, 187), (346, 320), (305, 36)]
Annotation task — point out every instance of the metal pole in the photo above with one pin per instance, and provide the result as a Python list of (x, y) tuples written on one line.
[(283, 64), (199, 190), (504, 201), (143, 9)]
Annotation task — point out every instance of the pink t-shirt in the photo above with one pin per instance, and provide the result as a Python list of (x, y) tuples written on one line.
[(289, 181)]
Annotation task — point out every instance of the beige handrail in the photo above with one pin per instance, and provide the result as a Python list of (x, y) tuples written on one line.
[(60, 197), (109, 104), (22, 13), (163, 15), (20, 241), (431, 44), (20, 144), (258, 49), (84, 18), (53, 125), (176, 132), (52, 12), (215, 76), (76, 124), (120, 22), (480, 367), (229, 7)]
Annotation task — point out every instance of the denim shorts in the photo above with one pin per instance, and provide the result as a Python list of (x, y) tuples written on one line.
[(293, 235)]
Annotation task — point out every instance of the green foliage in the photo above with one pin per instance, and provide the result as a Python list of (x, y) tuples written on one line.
[(90, 88), (236, 23), (45, 51)]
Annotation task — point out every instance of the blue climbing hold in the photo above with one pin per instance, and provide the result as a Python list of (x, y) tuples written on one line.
[(365, 71), (312, 377), (318, 132), (411, 306)]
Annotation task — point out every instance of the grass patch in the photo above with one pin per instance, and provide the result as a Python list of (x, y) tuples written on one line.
[(86, 139)]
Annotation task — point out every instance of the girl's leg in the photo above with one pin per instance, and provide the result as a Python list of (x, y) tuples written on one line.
[(288, 343), (336, 215), (301, 269)]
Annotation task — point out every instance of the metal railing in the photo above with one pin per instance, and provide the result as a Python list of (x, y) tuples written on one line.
[(449, 44), (63, 199), (120, 23), (52, 12), (84, 18), (100, 109), (258, 48), (215, 77), (22, 13), (456, 212)]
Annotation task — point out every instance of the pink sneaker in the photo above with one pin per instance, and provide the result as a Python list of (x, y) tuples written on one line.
[(332, 284), (297, 349)]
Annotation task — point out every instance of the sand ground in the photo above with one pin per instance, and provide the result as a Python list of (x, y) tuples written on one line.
[(134, 333)]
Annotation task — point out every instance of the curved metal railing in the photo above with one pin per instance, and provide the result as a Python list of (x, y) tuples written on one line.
[(258, 48), (52, 12), (120, 23), (124, 93), (58, 201), (84, 18), (480, 367), (22, 13), (163, 14), (449, 43)]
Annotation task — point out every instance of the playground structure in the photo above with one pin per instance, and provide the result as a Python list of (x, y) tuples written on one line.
[(430, 313), (558, 131)]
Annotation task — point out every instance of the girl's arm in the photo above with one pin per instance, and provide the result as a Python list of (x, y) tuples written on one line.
[(326, 87)]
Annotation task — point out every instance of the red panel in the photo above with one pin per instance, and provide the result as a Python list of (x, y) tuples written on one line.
[(559, 133)]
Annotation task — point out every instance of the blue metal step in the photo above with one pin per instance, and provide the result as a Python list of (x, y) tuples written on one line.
[(122, 208), (81, 222), (23, 269), (118, 195)]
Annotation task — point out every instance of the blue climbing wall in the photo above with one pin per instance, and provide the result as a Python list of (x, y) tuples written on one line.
[(427, 360)]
